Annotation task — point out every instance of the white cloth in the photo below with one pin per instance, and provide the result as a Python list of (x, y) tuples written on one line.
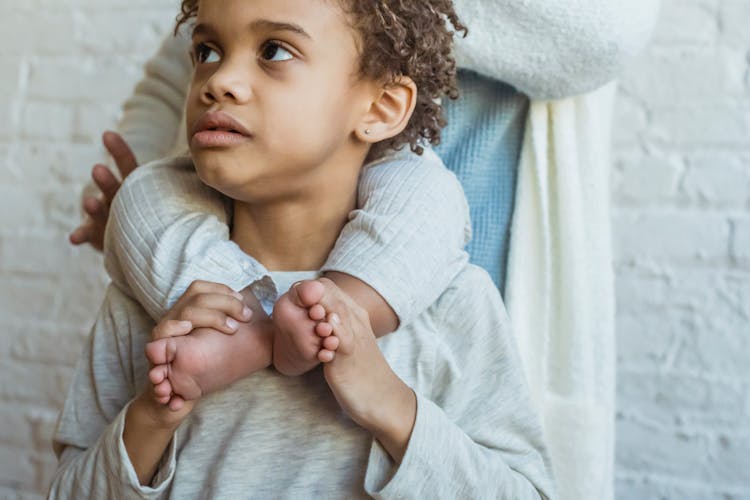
[(546, 50), (560, 290)]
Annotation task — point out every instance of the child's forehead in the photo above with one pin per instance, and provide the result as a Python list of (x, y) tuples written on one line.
[(307, 18)]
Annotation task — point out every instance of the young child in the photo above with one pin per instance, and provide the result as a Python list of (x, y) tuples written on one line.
[(394, 272), (441, 407), (188, 241)]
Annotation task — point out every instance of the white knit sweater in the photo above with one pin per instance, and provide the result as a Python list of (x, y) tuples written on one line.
[(560, 291)]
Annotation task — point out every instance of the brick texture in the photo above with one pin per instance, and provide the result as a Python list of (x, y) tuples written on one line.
[(681, 191)]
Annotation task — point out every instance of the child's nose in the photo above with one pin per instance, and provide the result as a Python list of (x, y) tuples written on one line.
[(229, 82)]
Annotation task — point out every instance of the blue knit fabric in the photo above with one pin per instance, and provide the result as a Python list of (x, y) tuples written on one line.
[(481, 145)]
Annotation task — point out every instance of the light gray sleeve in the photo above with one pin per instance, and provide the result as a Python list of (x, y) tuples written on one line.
[(550, 50), (93, 461), (167, 229), (407, 238), (476, 434), (152, 115)]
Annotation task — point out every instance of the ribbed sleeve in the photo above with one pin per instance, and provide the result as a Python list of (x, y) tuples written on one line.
[(152, 116), (407, 239), (167, 229)]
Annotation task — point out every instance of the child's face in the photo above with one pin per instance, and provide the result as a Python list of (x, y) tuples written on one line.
[(286, 71)]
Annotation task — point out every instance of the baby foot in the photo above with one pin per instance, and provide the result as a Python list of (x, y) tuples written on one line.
[(295, 315), (207, 360)]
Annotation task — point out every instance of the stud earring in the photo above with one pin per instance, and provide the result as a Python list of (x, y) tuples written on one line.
[(368, 131)]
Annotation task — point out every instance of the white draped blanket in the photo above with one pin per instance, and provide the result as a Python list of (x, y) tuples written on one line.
[(560, 291)]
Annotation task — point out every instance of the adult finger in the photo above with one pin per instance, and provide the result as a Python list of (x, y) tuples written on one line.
[(121, 152), (81, 234), (106, 180), (96, 208)]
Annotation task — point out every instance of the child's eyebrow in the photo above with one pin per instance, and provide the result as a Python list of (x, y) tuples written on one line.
[(268, 25), (259, 24), (203, 29)]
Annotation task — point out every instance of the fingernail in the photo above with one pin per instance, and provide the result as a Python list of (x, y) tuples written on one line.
[(246, 312), (185, 326), (335, 319), (232, 324), (238, 295)]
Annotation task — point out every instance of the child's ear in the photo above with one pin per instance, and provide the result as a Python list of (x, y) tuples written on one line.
[(390, 112)]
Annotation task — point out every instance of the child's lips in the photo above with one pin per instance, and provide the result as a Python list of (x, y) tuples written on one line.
[(217, 138), (218, 129)]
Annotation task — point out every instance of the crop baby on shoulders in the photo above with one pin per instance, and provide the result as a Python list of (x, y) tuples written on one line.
[(245, 133), (281, 117)]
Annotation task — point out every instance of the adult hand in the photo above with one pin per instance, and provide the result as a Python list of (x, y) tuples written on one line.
[(97, 208)]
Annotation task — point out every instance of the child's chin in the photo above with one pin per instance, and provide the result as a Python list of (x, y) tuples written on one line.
[(219, 173)]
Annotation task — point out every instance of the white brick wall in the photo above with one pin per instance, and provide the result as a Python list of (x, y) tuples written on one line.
[(65, 65), (681, 194), (681, 188)]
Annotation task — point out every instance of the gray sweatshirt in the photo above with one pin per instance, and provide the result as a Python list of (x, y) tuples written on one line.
[(476, 434), (268, 436)]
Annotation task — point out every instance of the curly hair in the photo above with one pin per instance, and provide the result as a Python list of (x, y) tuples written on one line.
[(401, 38)]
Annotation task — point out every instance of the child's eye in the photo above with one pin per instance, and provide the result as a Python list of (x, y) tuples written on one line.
[(205, 54), (274, 51)]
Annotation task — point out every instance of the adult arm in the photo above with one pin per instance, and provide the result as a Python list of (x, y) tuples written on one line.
[(94, 461), (550, 50), (476, 433), (152, 121), (151, 126)]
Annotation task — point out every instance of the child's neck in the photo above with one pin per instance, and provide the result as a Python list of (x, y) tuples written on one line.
[(294, 234)]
